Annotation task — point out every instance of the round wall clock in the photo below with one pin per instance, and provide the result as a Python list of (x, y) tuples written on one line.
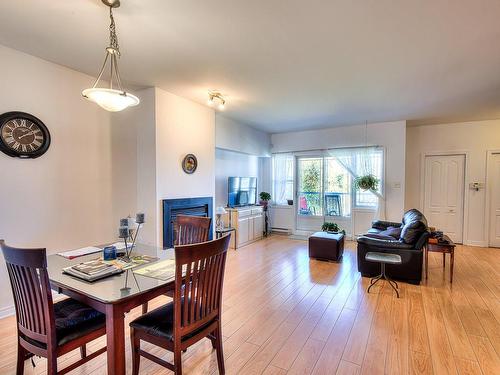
[(23, 135), (189, 164)]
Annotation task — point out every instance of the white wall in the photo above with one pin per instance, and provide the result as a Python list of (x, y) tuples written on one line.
[(183, 127), (241, 151), (235, 136), (77, 191), (169, 127), (231, 163), (472, 138), (143, 122), (390, 135)]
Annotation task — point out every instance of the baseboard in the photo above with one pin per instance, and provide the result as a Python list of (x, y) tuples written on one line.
[(6, 311), (10, 310), (477, 243)]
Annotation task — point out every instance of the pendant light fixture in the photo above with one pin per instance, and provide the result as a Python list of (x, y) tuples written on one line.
[(112, 98)]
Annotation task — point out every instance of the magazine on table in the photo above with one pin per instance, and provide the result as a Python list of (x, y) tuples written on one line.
[(92, 270)]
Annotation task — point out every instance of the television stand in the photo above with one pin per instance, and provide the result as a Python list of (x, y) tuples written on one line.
[(248, 224)]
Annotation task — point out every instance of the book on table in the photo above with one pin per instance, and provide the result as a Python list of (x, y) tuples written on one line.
[(92, 270)]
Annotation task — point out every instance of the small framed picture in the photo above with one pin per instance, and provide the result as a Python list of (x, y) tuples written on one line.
[(189, 164)]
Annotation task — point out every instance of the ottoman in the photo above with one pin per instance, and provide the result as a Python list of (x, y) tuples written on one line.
[(326, 246)]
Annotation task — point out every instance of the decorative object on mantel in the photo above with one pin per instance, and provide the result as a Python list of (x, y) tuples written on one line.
[(265, 197), (127, 232), (23, 135), (219, 221), (331, 227), (366, 182), (189, 164), (113, 98), (216, 99), (476, 186)]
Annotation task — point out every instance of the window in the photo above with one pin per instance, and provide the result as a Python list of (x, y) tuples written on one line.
[(282, 178), (325, 181)]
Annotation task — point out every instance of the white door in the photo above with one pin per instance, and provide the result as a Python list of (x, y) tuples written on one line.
[(309, 193), (494, 187), (444, 194)]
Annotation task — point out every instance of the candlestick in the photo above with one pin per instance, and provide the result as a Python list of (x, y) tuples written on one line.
[(123, 232), (139, 218)]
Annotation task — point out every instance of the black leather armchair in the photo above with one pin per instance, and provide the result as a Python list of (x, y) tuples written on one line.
[(406, 239)]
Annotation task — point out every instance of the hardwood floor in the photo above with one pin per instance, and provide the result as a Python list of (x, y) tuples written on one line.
[(284, 314)]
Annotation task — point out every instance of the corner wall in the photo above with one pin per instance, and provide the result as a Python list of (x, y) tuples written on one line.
[(74, 194), (390, 135), (183, 127), (473, 138), (241, 151)]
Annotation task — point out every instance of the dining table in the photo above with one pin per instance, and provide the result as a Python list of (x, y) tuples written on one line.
[(116, 295)]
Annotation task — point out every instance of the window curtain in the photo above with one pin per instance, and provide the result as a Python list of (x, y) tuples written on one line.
[(282, 169), (358, 162)]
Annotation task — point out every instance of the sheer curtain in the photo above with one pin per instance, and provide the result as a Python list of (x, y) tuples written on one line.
[(358, 162), (282, 170)]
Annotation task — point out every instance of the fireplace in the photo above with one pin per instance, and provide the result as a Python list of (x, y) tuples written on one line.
[(183, 206)]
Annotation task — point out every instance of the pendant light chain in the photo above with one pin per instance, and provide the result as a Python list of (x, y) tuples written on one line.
[(113, 38), (113, 98), (366, 166)]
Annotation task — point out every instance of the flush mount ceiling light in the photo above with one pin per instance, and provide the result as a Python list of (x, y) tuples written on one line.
[(215, 99), (112, 98)]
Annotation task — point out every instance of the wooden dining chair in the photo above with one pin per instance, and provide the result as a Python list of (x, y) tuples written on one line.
[(44, 328), (191, 229), (195, 312), (188, 230)]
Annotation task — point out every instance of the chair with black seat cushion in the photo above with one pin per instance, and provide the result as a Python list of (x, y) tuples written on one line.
[(188, 230), (195, 312), (45, 328)]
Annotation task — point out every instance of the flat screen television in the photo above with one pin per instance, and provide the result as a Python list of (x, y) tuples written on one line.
[(241, 191)]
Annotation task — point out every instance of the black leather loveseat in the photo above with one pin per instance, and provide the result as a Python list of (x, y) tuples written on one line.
[(406, 239)]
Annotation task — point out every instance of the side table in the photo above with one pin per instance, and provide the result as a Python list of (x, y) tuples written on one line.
[(222, 231), (444, 248)]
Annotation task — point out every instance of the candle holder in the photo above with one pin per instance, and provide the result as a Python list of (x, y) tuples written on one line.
[(125, 232)]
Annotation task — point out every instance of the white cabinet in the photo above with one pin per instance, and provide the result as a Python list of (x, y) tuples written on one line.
[(243, 233), (248, 223), (258, 227)]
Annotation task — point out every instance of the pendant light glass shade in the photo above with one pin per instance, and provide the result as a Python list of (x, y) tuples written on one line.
[(110, 98)]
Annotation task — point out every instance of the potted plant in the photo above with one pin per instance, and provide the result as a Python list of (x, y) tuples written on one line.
[(366, 182), (265, 197), (331, 228)]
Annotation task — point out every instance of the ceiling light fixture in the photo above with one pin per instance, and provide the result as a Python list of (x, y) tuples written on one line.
[(215, 99), (112, 98)]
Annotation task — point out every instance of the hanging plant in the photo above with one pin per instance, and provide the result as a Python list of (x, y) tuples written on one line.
[(331, 228), (366, 182)]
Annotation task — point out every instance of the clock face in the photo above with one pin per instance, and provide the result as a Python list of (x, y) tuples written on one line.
[(23, 135)]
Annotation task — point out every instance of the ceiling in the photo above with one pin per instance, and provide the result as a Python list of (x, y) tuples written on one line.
[(286, 64)]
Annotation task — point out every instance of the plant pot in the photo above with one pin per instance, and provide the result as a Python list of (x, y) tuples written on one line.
[(290, 202), (264, 203)]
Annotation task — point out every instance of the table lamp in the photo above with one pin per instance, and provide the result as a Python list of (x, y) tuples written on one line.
[(219, 222)]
